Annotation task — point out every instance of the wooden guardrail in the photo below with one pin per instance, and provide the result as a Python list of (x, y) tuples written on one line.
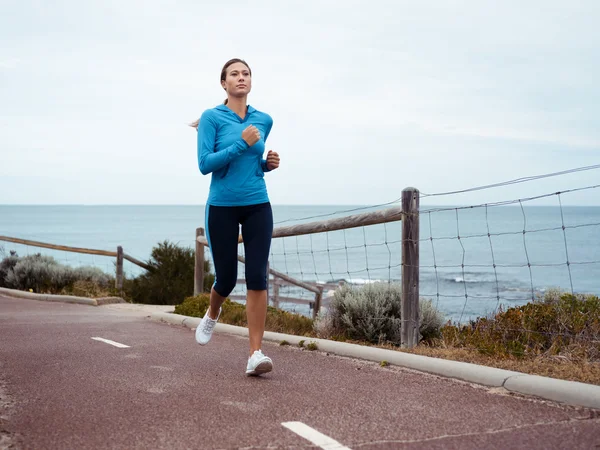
[(201, 242), (340, 223), (119, 254), (276, 298), (408, 213), (322, 226)]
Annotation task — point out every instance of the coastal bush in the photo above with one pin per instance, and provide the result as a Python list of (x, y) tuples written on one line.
[(40, 273), (373, 313), (7, 263), (44, 274), (233, 313), (557, 324), (93, 275), (83, 288), (170, 278)]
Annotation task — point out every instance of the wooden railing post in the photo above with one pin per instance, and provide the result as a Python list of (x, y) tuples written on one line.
[(410, 268), (318, 298), (386, 215), (268, 280), (275, 292), (199, 264), (119, 277)]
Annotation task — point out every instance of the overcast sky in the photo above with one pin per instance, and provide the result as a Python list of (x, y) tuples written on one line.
[(367, 97)]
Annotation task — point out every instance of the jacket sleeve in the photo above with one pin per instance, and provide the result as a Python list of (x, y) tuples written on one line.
[(208, 159), (263, 163)]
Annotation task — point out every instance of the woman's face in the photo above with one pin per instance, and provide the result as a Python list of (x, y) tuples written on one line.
[(238, 81)]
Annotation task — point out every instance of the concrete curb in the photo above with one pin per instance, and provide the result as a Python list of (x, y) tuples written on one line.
[(61, 298), (571, 392), (568, 392)]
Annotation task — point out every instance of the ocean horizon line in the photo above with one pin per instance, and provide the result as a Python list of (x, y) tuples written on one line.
[(349, 205)]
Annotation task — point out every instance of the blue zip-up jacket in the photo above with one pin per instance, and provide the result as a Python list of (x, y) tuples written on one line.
[(237, 169)]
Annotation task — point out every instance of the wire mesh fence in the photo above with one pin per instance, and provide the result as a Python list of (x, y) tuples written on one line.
[(474, 259)]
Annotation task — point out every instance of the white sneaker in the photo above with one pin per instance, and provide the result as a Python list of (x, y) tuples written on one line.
[(205, 328), (258, 364)]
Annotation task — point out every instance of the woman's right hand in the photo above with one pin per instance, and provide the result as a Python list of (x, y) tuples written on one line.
[(251, 135)]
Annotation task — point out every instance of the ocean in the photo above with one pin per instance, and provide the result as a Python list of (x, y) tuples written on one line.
[(526, 252)]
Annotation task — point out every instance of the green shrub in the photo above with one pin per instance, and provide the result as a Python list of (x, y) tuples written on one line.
[(93, 275), (431, 320), (312, 346), (92, 289), (45, 274), (197, 306), (557, 324), (169, 281), (7, 264), (170, 278), (233, 313), (372, 313), (39, 272)]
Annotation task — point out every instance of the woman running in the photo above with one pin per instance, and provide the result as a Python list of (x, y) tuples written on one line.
[(231, 144)]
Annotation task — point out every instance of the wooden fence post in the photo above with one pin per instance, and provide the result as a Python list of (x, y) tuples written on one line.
[(268, 280), (199, 264), (410, 268), (318, 298), (275, 292), (119, 278)]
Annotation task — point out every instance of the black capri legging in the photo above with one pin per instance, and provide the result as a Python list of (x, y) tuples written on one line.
[(222, 229)]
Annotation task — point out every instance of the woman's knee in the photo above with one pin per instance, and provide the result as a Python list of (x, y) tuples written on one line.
[(225, 287), (256, 280)]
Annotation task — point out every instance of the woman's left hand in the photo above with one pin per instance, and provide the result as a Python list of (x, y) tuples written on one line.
[(272, 160)]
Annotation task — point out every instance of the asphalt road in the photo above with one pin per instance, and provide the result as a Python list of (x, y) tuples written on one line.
[(61, 389)]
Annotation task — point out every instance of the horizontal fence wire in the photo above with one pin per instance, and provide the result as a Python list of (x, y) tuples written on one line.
[(475, 260), (471, 269), (514, 273), (510, 202), (354, 256), (514, 181), (341, 212)]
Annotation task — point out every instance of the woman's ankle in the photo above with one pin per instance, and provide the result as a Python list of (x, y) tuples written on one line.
[(210, 313)]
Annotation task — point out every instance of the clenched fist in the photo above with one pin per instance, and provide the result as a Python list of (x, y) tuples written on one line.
[(251, 135), (272, 160)]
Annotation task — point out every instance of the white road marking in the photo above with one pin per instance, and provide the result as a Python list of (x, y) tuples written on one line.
[(314, 436), (107, 341)]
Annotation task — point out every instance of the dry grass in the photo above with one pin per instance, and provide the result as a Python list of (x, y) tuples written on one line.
[(548, 366), (88, 289), (503, 345), (234, 313), (560, 367)]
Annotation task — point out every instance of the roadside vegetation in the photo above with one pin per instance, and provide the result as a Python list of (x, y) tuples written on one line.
[(170, 279), (168, 282), (557, 335), (234, 313), (44, 274)]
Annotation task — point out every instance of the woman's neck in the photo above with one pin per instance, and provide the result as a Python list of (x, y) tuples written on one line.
[(237, 105)]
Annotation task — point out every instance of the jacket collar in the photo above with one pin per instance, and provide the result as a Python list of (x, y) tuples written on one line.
[(227, 109)]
